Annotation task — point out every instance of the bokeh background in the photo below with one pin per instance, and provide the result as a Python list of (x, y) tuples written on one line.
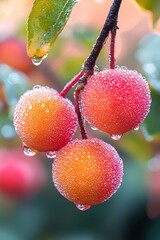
[(40, 212)]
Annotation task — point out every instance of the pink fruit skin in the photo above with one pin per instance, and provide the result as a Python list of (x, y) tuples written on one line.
[(20, 176), (116, 101)]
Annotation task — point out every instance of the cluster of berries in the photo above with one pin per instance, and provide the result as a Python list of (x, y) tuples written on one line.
[(87, 171)]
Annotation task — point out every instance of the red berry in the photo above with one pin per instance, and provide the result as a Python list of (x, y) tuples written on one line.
[(20, 176), (44, 120), (87, 172), (13, 52), (116, 101)]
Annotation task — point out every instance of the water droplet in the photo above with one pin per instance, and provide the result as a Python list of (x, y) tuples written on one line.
[(83, 207), (38, 60), (28, 152), (36, 87), (124, 68), (93, 128), (116, 136), (50, 154), (117, 67), (43, 105), (96, 69), (136, 128)]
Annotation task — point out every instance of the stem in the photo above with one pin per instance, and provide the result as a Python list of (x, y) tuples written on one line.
[(70, 84), (112, 49), (88, 67), (110, 23), (78, 111)]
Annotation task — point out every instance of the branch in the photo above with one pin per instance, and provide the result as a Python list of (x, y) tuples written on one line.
[(88, 66), (110, 23), (78, 111)]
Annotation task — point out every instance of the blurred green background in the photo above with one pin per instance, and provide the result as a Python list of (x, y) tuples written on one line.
[(133, 212)]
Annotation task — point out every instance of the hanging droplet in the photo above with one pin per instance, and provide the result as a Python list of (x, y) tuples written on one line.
[(50, 154), (38, 60), (93, 128), (36, 87), (83, 207), (116, 136), (136, 128), (28, 152)]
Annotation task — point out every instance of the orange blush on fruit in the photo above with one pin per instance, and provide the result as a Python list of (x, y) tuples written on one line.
[(44, 120), (87, 172)]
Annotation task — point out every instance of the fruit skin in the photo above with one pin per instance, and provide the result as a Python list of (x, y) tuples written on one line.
[(116, 101), (44, 120), (87, 172), (20, 176), (13, 52)]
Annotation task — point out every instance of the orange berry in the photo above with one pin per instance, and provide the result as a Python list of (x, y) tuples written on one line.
[(44, 120), (116, 101), (87, 172)]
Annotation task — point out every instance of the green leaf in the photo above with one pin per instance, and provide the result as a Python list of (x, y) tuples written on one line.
[(46, 20), (151, 126), (148, 54), (151, 5)]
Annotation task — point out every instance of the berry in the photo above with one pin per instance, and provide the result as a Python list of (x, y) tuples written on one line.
[(44, 120), (87, 172), (13, 53), (20, 176), (116, 101)]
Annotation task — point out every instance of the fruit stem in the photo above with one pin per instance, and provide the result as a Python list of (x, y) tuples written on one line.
[(110, 23), (78, 111), (112, 48), (88, 66), (71, 83)]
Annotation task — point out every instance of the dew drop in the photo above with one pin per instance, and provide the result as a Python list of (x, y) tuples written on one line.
[(117, 67), (50, 154), (93, 128), (116, 136), (124, 68), (96, 69), (28, 152), (36, 61), (136, 128), (83, 207), (36, 87)]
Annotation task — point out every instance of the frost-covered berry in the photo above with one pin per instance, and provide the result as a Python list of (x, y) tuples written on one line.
[(116, 101), (44, 120), (87, 172)]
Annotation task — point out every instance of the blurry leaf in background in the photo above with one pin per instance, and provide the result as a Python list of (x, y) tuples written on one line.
[(14, 83), (46, 21), (151, 125), (148, 54), (151, 5)]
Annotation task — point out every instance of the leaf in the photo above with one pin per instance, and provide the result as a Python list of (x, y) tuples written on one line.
[(148, 54), (46, 20), (151, 126), (151, 5)]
